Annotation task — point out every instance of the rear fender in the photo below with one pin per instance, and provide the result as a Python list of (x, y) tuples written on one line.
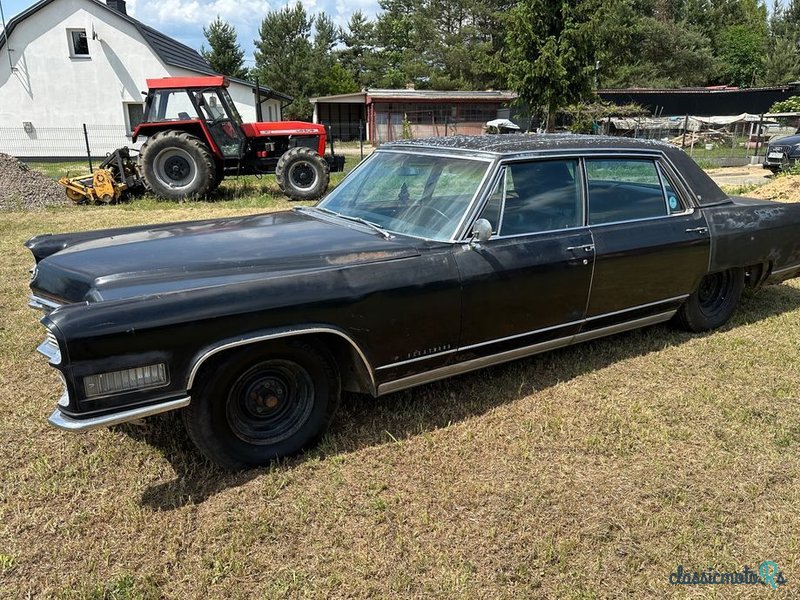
[(195, 127)]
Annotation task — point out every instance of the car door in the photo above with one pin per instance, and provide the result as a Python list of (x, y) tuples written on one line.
[(529, 283), (651, 246)]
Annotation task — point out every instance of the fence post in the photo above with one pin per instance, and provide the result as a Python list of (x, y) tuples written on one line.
[(758, 133), (88, 151), (685, 128), (361, 137), (446, 120)]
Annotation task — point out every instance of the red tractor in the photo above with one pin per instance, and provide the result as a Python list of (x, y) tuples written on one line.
[(195, 137)]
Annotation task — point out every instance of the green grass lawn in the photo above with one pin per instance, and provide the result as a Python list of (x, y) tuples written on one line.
[(588, 472)]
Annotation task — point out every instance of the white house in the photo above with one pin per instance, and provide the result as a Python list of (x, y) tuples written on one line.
[(66, 63)]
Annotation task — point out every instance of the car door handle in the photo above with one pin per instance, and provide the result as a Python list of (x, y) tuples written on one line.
[(697, 230), (585, 248)]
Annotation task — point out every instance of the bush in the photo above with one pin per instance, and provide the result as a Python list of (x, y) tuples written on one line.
[(790, 105)]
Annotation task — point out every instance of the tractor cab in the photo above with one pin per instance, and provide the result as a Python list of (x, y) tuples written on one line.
[(193, 102)]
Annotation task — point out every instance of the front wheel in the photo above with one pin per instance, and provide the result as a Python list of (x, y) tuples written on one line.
[(302, 174), (257, 406), (713, 302)]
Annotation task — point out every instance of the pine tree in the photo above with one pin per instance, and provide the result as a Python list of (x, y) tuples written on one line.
[(225, 55), (551, 50)]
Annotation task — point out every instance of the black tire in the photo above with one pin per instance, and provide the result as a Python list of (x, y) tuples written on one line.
[(713, 302), (255, 406), (302, 174), (219, 175), (176, 165)]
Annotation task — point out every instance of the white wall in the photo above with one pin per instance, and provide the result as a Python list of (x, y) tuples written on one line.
[(245, 100), (50, 89)]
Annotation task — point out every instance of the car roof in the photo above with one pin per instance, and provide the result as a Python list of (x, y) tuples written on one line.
[(707, 193), (516, 143)]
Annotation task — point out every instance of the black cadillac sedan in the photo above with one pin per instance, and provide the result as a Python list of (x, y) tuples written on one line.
[(432, 258)]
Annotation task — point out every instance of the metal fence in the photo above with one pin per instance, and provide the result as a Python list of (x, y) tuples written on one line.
[(391, 126), (716, 141), (64, 143)]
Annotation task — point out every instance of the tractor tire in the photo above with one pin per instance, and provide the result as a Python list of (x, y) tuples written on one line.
[(176, 165), (218, 177), (302, 174)]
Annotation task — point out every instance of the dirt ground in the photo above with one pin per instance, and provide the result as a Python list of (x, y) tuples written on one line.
[(784, 189)]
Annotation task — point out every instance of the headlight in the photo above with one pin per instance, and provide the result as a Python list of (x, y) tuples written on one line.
[(138, 378)]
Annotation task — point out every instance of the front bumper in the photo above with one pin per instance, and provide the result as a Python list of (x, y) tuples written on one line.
[(62, 421)]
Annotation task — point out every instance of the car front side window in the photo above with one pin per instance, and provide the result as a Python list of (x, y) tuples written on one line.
[(625, 190), (536, 196)]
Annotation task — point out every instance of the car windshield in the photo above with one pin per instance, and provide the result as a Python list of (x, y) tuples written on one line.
[(414, 194)]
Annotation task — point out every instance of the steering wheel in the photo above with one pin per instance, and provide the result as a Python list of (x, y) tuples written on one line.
[(421, 209), (217, 120)]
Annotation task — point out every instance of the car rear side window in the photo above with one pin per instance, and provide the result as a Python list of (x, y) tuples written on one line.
[(536, 196), (625, 190)]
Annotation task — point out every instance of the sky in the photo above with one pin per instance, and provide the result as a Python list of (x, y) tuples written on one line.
[(184, 19)]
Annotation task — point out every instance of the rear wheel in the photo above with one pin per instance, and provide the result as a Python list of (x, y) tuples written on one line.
[(177, 165), (714, 301), (302, 174), (257, 406)]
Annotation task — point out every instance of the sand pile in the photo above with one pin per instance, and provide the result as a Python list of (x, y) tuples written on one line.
[(22, 188), (782, 189)]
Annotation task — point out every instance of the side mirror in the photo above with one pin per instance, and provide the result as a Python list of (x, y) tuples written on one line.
[(481, 231)]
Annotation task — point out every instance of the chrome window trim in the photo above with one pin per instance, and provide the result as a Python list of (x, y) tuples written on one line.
[(666, 180), (645, 220), (660, 183), (479, 363), (582, 155), (255, 338), (479, 190)]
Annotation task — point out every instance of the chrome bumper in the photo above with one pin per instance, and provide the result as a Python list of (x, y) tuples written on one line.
[(62, 421)]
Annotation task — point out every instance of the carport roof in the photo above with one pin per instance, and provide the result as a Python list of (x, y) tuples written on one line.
[(404, 95)]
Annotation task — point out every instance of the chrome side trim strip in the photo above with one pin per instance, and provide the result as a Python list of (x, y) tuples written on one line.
[(487, 361), (637, 307), (784, 270), (532, 332), (271, 336), (43, 304), (622, 327), (519, 335), (62, 421), (418, 358)]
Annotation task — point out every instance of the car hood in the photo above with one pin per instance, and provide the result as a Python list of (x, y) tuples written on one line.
[(138, 261), (790, 140)]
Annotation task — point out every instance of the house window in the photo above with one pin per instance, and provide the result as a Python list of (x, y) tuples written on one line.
[(78, 43), (134, 114)]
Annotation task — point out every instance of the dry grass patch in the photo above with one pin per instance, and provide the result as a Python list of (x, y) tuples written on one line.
[(589, 472)]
